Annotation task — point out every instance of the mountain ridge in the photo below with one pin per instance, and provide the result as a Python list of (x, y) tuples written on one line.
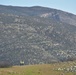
[(40, 11)]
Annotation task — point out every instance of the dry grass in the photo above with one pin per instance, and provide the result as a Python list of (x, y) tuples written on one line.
[(45, 69)]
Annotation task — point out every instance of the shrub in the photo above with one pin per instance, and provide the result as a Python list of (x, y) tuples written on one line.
[(4, 64)]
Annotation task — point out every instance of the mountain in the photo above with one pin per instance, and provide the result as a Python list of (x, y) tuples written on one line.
[(36, 35)]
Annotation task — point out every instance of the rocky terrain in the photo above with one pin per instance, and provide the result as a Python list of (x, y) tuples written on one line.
[(36, 35)]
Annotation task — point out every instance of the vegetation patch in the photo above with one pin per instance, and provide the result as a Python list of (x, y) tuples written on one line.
[(65, 68)]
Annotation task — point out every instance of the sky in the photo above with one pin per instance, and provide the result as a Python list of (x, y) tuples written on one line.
[(65, 5)]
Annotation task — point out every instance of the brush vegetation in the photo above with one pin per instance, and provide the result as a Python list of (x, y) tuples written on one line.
[(36, 35)]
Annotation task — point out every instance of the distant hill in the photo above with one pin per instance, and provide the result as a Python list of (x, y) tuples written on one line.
[(36, 35)]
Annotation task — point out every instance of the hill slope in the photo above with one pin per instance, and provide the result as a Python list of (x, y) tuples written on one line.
[(36, 35)]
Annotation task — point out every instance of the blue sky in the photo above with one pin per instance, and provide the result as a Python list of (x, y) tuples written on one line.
[(65, 5)]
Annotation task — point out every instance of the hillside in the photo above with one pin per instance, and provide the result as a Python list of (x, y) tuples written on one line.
[(36, 35)]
